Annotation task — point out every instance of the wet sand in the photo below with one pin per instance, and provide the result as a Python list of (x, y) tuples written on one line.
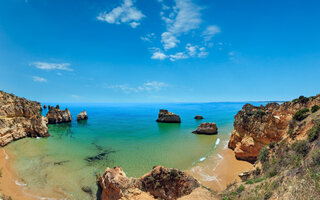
[(10, 185), (219, 170)]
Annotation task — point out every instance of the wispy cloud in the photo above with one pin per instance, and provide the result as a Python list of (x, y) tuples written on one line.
[(125, 13), (148, 86), (148, 37), (157, 54), (210, 32), (39, 79), (52, 66)]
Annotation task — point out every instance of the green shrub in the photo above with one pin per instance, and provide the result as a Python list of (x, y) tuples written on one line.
[(301, 99), (301, 147), (315, 108), (272, 145), (240, 188), (313, 133), (301, 114), (264, 154)]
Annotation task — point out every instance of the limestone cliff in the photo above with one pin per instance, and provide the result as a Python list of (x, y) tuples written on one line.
[(255, 127), (57, 116), (20, 118)]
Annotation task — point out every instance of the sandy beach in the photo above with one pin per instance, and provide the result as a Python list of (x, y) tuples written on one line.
[(219, 170)]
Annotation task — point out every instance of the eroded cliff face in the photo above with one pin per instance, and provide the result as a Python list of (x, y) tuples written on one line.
[(255, 127), (57, 116), (159, 183), (20, 118)]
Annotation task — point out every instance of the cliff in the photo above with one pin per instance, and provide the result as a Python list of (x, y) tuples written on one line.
[(20, 118), (255, 127), (289, 166), (57, 116)]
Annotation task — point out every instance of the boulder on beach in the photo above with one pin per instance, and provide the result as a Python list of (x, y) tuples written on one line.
[(207, 128), (198, 117), (82, 116), (44, 106), (168, 117), (159, 183), (57, 116)]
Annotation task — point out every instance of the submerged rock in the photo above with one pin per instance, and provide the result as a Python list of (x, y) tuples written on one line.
[(160, 183), (198, 117), (82, 116), (207, 129), (57, 116), (20, 118), (168, 117)]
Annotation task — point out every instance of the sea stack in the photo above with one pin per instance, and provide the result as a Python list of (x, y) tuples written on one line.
[(207, 129), (57, 116), (44, 106), (168, 117), (198, 117), (20, 118), (82, 116)]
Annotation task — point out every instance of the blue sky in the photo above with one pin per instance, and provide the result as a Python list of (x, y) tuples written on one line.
[(159, 50)]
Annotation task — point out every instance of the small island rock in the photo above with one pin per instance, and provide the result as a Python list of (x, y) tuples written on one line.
[(44, 106), (82, 116), (57, 116), (198, 117), (207, 129), (168, 117)]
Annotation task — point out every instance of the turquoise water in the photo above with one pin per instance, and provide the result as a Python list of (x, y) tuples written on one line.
[(125, 135)]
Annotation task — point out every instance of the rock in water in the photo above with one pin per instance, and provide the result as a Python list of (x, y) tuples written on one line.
[(57, 116), (20, 118), (82, 116), (255, 127), (160, 183), (207, 129), (198, 117), (44, 106), (168, 117)]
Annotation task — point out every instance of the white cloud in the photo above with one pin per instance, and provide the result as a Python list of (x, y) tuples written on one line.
[(148, 86), (149, 37), (52, 66), (210, 32), (169, 40), (192, 50), (125, 13), (158, 54), (178, 56), (39, 79)]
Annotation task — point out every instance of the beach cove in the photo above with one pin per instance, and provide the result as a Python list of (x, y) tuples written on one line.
[(67, 162)]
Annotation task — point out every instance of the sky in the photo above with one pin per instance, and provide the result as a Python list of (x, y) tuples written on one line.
[(159, 50)]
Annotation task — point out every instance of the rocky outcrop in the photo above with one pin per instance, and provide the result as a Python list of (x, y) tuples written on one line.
[(168, 117), (160, 183), (82, 116), (255, 127), (44, 106), (20, 118), (57, 116), (207, 129), (198, 117)]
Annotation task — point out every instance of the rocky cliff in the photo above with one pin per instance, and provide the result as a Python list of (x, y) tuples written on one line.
[(255, 127), (20, 118), (160, 183)]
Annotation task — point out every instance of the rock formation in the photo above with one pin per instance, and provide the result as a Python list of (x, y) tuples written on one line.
[(198, 117), (44, 106), (20, 118), (82, 116), (57, 116), (160, 183), (255, 127), (168, 117), (206, 129)]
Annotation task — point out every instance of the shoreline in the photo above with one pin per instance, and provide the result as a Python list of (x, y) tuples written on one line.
[(10, 184), (219, 169)]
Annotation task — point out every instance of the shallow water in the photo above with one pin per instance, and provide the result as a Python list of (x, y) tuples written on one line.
[(123, 135)]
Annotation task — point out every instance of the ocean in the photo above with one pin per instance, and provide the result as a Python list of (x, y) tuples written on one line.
[(125, 135)]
